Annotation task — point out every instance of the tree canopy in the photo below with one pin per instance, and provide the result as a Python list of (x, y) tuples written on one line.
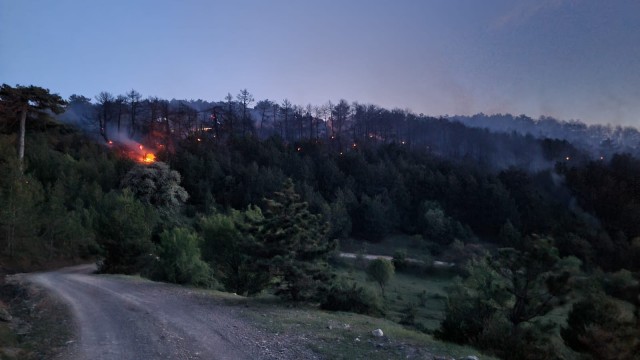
[(26, 100)]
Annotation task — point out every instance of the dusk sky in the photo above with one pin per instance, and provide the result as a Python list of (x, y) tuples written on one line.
[(567, 59)]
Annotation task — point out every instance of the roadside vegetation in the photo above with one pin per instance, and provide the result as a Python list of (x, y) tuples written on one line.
[(33, 324), (530, 264)]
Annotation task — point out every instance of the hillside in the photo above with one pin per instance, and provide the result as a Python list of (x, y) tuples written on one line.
[(542, 235)]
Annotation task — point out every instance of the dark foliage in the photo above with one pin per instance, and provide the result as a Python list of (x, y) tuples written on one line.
[(123, 229), (597, 327), (345, 296), (290, 244)]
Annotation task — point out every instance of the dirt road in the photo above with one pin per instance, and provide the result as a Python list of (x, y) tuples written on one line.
[(125, 318)]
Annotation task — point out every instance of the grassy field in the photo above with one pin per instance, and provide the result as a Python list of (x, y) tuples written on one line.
[(388, 246), (340, 335), (425, 294)]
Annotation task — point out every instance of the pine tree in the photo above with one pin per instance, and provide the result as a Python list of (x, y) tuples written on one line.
[(291, 244), (228, 249), (20, 199), (123, 229), (23, 100)]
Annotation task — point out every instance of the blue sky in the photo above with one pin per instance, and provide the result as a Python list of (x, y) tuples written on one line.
[(571, 59)]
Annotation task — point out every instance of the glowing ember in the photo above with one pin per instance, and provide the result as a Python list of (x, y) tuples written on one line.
[(110, 142), (148, 158), (140, 147)]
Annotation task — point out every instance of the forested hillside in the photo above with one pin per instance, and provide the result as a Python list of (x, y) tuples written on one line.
[(261, 199), (598, 140)]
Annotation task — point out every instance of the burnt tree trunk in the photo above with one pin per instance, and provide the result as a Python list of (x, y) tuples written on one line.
[(23, 129)]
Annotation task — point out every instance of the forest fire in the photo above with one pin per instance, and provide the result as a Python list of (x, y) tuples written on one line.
[(149, 158), (133, 150)]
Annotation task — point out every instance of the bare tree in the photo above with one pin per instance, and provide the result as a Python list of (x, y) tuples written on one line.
[(230, 113), (320, 113), (184, 120), (309, 116), (398, 117), (133, 98), (275, 108), (120, 103), (165, 113), (298, 119), (245, 99), (285, 110), (340, 114), (329, 109), (153, 111), (263, 107), (105, 104)]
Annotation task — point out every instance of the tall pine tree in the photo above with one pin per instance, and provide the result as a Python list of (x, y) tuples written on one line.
[(291, 244), (25, 100)]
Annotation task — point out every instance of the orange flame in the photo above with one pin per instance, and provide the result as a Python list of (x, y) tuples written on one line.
[(134, 151), (149, 158)]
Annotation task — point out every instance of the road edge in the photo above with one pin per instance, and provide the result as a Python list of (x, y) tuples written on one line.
[(41, 325)]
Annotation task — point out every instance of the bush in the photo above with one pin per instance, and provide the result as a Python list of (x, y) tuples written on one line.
[(123, 230), (422, 298), (179, 259), (380, 271), (348, 296), (597, 326), (400, 261), (622, 285), (409, 314)]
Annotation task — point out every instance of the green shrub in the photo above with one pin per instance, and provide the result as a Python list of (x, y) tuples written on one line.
[(123, 229), (409, 314), (596, 326), (380, 271), (622, 285), (400, 259), (348, 296), (179, 258)]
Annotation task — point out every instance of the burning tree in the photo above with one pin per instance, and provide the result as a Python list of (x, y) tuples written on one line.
[(26, 100)]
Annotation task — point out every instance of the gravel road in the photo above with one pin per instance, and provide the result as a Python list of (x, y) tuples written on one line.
[(125, 318)]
